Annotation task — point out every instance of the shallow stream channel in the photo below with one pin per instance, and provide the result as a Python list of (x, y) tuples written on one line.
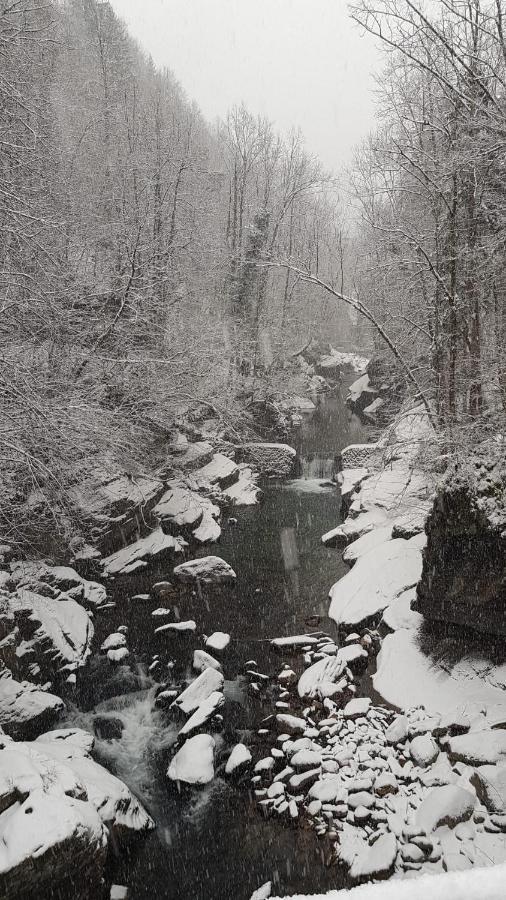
[(213, 843)]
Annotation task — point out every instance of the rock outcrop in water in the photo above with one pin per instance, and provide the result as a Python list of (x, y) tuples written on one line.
[(464, 570)]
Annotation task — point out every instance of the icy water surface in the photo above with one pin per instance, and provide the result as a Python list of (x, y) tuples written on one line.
[(213, 844)]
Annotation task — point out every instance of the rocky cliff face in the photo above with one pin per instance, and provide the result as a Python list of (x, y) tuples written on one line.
[(464, 569)]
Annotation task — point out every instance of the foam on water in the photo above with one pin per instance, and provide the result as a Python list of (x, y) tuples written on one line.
[(145, 734)]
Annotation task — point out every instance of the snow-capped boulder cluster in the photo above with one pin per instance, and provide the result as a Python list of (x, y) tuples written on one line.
[(59, 810), (388, 793)]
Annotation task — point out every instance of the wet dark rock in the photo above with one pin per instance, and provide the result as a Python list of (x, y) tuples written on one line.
[(109, 728), (464, 564)]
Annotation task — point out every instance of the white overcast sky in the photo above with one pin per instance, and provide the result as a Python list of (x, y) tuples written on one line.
[(302, 63)]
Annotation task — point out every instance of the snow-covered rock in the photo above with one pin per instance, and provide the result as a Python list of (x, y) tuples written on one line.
[(221, 471), (293, 642), (139, 554), (25, 710), (113, 642), (375, 581), (116, 805), (423, 750), (330, 364), (490, 784), (360, 393), (400, 615), (477, 748), (240, 758), (177, 628), (192, 456), (371, 539), (207, 569), (375, 861), (63, 580), (263, 892), (209, 681), (357, 708), (218, 640), (50, 636), (116, 504), (59, 808), (204, 712), (203, 660), (290, 724), (447, 805), (245, 491), (350, 478), (322, 678), (397, 731), (194, 762), (183, 510), (51, 842), (371, 411), (208, 532)]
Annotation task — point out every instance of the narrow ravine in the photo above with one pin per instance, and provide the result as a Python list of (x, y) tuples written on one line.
[(213, 842)]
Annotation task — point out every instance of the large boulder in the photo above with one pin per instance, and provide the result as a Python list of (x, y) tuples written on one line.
[(116, 505), (447, 805), (194, 762), (207, 569), (184, 511), (464, 572), (59, 582), (138, 555), (59, 808), (375, 581), (490, 784), (25, 710), (47, 638)]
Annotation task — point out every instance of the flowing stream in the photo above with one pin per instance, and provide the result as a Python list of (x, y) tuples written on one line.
[(213, 844)]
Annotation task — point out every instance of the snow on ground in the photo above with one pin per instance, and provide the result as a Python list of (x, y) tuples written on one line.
[(407, 677), (473, 884)]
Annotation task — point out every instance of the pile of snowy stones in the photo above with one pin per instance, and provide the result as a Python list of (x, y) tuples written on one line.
[(390, 794)]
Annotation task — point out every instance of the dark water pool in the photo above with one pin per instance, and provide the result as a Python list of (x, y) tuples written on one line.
[(213, 844)]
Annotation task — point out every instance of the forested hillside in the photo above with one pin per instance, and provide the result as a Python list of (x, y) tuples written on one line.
[(130, 233)]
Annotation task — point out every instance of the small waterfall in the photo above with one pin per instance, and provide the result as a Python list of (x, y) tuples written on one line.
[(319, 467)]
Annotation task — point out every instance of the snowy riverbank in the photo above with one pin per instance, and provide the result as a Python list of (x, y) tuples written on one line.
[(390, 794)]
